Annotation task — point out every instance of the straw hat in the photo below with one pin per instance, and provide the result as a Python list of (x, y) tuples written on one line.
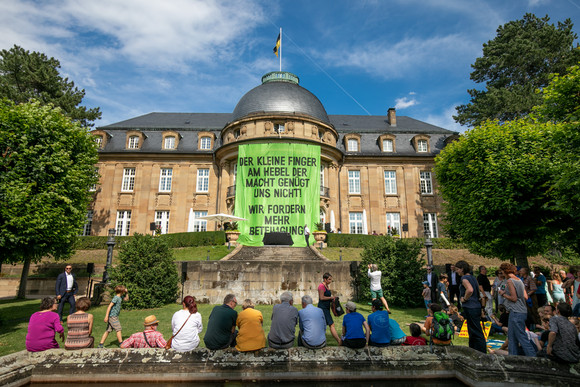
[(150, 320)]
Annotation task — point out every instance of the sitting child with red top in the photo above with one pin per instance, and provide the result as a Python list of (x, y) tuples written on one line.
[(415, 338)]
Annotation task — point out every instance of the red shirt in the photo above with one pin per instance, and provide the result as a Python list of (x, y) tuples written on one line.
[(411, 340), (138, 341)]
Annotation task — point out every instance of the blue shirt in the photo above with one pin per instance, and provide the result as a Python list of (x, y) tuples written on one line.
[(312, 325), (396, 331), (541, 288), (380, 327), (353, 322)]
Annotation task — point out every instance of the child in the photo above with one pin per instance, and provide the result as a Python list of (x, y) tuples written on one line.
[(376, 289), (415, 338), (112, 315), (501, 325), (428, 327), (455, 317), (442, 291), (426, 295)]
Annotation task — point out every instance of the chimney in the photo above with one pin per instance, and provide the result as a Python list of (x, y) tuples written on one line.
[(392, 117)]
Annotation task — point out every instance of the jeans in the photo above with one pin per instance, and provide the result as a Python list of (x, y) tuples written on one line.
[(476, 337), (517, 335)]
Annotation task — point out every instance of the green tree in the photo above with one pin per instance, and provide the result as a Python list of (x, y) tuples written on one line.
[(517, 62), (26, 75), (495, 182), (147, 269), (401, 264), (46, 170)]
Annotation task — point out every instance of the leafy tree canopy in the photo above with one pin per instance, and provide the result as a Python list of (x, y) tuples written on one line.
[(495, 181), (401, 264), (517, 62), (26, 75), (147, 270)]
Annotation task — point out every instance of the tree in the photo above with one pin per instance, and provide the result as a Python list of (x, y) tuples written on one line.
[(147, 269), (26, 75), (401, 264), (495, 181), (517, 62), (46, 171)]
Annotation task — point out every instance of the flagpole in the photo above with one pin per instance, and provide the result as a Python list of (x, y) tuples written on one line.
[(280, 49)]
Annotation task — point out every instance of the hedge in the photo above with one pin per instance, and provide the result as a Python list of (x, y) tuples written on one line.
[(182, 239), (360, 240)]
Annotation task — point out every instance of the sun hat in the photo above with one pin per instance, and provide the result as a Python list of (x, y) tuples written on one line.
[(150, 320), (425, 282)]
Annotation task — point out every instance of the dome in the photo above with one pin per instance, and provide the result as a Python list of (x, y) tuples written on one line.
[(280, 93)]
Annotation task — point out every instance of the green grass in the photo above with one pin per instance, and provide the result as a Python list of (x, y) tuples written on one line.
[(14, 316)]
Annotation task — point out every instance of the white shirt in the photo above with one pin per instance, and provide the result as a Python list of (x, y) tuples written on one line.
[(306, 230), (69, 281), (188, 337), (575, 299), (375, 277)]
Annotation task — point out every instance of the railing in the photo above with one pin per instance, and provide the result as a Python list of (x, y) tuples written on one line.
[(325, 192)]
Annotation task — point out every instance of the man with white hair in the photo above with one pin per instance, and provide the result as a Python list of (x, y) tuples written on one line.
[(284, 320), (312, 325)]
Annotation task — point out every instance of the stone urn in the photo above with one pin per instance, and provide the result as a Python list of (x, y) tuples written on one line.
[(319, 236), (232, 235)]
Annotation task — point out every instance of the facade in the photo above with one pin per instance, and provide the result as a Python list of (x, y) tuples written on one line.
[(170, 168)]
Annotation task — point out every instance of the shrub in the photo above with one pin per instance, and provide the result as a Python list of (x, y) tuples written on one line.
[(147, 270), (349, 240), (401, 264), (182, 239)]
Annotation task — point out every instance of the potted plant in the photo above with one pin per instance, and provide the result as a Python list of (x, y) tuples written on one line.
[(232, 232), (319, 233)]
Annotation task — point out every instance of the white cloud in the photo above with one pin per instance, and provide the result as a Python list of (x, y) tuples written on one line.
[(402, 103)]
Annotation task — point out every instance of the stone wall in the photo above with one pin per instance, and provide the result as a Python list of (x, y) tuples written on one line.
[(264, 281), (453, 365)]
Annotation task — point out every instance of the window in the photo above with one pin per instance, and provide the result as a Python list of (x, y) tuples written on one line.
[(322, 216), (133, 142), (430, 224), (387, 145), (394, 223), (99, 141), (165, 179), (199, 224), (354, 182), (421, 145), (390, 182), (202, 180), (169, 142), (128, 180), (162, 221), (93, 187), (279, 128), (205, 143), (321, 179), (88, 223), (235, 172), (355, 222), (426, 186), (352, 145), (123, 223)]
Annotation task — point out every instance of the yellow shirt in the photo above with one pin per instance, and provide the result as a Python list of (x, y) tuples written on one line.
[(251, 335)]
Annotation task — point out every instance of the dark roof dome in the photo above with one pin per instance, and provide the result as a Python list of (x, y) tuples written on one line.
[(280, 93)]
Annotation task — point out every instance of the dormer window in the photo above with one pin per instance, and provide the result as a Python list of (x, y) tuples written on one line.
[(205, 140), (352, 142), (205, 143), (99, 141), (422, 146), (100, 137), (352, 145), (421, 143), (387, 145), (169, 142), (133, 142)]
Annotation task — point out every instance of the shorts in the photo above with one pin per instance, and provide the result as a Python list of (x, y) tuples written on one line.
[(377, 294), (327, 316), (427, 303), (114, 324)]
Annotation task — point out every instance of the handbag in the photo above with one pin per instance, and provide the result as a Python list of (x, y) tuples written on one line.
[(337, 309), (170, 341)]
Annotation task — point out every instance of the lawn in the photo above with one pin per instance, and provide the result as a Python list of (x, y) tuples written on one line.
[(14, 315)]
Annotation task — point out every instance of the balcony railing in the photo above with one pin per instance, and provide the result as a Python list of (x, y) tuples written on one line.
[(325, 192)]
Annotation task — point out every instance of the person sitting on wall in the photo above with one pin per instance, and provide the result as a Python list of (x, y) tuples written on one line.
[(284, 320), (415, 338), (352, 328), (251, 336), (149, 338), (221, 328), (312, 324), (562, 346), (42, 327), (379, 325)]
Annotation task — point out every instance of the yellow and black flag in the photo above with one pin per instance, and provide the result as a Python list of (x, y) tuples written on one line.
[(277, 46)]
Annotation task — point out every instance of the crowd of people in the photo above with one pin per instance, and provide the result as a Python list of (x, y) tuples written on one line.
[(535, 322)]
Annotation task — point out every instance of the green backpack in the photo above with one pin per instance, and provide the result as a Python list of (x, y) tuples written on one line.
[(441, 329)]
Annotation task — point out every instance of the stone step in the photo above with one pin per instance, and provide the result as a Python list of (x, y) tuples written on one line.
[(276, 253)]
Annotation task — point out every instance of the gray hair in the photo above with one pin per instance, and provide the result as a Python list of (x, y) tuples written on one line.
[(286, 297), (306, 299), (350, 306), (229, 298), (374, 267)]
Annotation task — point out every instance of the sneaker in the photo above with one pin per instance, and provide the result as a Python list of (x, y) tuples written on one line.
[(100, 346)]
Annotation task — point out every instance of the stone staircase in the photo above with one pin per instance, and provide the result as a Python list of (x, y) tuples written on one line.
[(275, 253)]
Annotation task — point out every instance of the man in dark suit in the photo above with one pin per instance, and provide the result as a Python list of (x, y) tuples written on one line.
[(66, 289), (432, 278), (454, 281)]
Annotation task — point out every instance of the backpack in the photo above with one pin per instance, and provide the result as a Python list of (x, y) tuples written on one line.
[(336, 308), (441, 329)]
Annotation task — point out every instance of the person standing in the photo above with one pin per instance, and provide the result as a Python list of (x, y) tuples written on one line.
[(66, 288), (433, 280), (307, 235), (221, 327), (541, 293), (453, 285), (531, 288), (324, 299), (515, 298), (469, 291), (485, 288), (376, 289), (284, 320)]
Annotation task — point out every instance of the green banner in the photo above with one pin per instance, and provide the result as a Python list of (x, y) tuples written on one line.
[(277, 190)]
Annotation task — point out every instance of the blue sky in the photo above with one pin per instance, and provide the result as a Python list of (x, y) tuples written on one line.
[(358, 57)]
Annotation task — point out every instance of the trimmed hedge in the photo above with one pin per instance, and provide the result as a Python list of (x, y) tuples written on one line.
[(182, 239), (360, 240)]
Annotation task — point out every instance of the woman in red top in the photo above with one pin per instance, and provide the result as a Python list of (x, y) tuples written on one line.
[(324, 299)]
